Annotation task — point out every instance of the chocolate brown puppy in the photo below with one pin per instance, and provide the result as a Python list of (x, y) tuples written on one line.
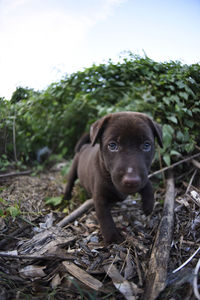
[(114, 162)]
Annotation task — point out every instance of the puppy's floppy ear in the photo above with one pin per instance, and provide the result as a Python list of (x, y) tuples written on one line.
[(97, 129), (157, 131)]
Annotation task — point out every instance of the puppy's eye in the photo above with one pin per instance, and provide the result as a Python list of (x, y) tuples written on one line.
[(146, 147), (112, 146)]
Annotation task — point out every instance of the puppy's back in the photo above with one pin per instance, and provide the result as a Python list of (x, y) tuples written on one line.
[(84, 139)]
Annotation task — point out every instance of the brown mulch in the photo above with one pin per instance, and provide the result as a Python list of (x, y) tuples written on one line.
[(39, 260)]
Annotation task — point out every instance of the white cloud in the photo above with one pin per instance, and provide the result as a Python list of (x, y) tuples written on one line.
[(34, 43), (41, 40), (107, 9)]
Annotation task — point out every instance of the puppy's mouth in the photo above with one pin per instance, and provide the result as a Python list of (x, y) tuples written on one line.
[(125, 190)]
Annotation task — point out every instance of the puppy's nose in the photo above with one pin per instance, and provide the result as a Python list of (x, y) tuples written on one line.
[(131, 181)]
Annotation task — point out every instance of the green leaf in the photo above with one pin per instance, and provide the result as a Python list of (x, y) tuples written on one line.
[(168, 129), (174, 152), (166, 100), (180, 136), (183, 95), (120, 83), (189, 112), (189, 123), (2, 212), (3, 201), (54, 201), (180, 84), (173, 119), (168, 132), (13, 211), (167, 159), (189, 147)]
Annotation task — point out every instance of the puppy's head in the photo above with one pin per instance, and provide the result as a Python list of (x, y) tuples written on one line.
[(127, 148)]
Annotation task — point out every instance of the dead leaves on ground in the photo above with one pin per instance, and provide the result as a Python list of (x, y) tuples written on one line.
[(42, 260)]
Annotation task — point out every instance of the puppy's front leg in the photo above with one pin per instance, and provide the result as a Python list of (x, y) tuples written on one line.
[(147, 198), (107, 225)]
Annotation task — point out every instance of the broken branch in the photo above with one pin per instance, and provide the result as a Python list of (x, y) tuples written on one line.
[(38, 257), (82, 275), (15, 174), (174, 165), (76, 213), (157, 271)]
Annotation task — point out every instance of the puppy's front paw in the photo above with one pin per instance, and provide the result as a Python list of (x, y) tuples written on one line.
[(67, 195), (113, 237), (148, 207)]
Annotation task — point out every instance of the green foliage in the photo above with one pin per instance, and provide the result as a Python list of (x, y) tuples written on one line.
[(22, 94), (168, 92), (54, 201), (9, 210), (14, 211)]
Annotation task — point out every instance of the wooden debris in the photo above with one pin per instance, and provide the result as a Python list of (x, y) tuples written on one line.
[(82, 275), (32, 271), (195, 197), (196, 163), (45, 242), (80, 243), (191, 180), (175, 164), (76, 213), (37, 257), (195, 281), (129, 289), (157, 270), (56, 281), (12, 174)]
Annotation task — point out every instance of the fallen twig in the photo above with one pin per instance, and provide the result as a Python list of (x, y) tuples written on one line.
[(174, 165), (14, 137), (187, 261), (196, 163), (157, 271), (82, 275), (15, 174), (191, 180), (128, 289), (76, 213), (195, 281), (38, 257)]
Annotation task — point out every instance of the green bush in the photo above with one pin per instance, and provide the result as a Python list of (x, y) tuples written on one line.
[(56, 117)]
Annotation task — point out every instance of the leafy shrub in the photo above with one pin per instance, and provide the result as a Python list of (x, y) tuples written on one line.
[(56, 117)]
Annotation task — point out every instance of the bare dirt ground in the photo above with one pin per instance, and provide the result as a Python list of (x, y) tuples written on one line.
[(39, 260)]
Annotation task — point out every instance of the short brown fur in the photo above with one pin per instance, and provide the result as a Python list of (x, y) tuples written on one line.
[(117, 166)]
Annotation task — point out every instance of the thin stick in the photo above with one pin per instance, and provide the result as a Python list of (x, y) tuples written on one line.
[(196, 163), (191, 180), (38, 257), (76, 213), (174, 165), (14, 140), (187, 261), (15, 174)]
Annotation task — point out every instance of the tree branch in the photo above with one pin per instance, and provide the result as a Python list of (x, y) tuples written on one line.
[(157, 271), (76, 213)]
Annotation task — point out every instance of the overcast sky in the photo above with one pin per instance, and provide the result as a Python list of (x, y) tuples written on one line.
[(40, 41)]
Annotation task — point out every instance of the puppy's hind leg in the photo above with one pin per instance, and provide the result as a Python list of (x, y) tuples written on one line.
[(72, 176)]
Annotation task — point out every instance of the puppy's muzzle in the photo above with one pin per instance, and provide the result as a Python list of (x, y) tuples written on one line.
[(131, 181)]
